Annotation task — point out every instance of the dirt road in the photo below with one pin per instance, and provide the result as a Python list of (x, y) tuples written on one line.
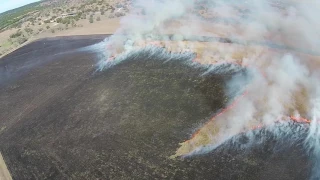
[(4, 173)]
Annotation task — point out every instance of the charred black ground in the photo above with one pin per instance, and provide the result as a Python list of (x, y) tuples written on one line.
[(60, 119)]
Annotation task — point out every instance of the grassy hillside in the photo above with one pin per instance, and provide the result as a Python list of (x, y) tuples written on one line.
[(48, 17), (14, 17)]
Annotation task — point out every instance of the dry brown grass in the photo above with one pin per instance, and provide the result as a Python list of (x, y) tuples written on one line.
[(4, 172)]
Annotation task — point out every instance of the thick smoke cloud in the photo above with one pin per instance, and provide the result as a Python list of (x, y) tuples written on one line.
[(277, 40)]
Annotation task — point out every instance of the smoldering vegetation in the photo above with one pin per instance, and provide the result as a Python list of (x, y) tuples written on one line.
[(124, 122), (287, 86)]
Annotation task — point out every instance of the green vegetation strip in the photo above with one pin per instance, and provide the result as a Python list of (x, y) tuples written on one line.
[(13, 17)]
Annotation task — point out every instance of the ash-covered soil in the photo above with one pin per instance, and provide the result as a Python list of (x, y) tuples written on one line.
[(61, 119)]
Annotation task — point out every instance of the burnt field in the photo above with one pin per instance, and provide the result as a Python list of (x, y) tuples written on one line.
[(62, 119)]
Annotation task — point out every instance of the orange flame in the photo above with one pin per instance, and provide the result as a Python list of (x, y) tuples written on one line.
[(297, 119)]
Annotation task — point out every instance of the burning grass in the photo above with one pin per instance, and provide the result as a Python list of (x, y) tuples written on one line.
[(225, 124), (218, 128)]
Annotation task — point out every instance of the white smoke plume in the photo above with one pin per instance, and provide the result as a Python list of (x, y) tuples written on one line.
[(277, 40)]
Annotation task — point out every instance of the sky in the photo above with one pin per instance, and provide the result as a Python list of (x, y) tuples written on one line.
[(6, 5)]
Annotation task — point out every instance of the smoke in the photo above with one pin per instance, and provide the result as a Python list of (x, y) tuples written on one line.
[(276, 40), (313, 139)]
